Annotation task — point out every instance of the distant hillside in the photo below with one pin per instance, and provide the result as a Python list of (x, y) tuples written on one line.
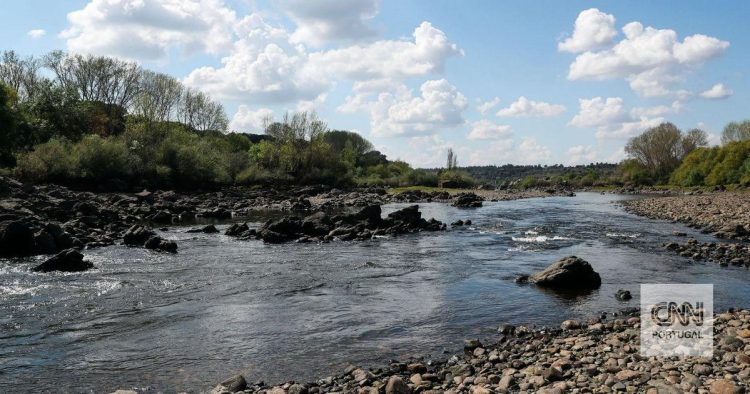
[(509, 172)]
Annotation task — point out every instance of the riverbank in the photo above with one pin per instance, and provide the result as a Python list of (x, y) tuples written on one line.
[(601, 355)]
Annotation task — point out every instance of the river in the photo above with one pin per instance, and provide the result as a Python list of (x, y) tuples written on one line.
[(302, 311)]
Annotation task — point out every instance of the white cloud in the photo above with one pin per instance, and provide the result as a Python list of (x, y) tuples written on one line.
[(486, 130), (717, 92), (617, 156), (593, 29), (524, 107), (597, 112), (248, 121), (394, 59), (485, 106), (265, 67), (611, 120), (531, 152), (651, 59), (439, 106), (581, 154), (146, 30), (36, 33), (496, 152), (321, 21)]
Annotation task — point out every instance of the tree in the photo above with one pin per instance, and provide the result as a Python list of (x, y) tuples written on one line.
[(158, 97), (660, 149), (736, 132), (452, 160), (21, 75), (692, 140), (7, 126), (200, 112)]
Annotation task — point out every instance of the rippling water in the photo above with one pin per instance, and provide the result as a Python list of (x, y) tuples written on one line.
[(300, 311)]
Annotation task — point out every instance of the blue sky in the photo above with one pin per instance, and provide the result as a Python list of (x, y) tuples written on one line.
[(556, 82)]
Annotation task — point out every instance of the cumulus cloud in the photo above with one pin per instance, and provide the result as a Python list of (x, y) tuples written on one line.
[(439, 106), (531, 152), (581, 154), (652, 60), (524, 107), (36, 33), (146, 30), (612, 121), (593, 29), (322, 21), (264, 66), (394, 59), (486, 106), (717, 92), (486, 130), (249, 121)]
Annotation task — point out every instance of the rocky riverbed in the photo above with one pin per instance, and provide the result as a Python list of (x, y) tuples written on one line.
[(48, 219), (726, 214), (600, 355)]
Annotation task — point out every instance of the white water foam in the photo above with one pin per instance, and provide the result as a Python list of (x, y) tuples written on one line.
[(539, 239), (623, 235)]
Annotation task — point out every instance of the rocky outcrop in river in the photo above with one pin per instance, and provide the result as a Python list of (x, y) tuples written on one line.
[(722, 253), (595, 356), (364, 224), (568, 273)]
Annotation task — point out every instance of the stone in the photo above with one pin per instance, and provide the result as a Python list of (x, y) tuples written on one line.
[(570, 325), (723, 386), (234, 384), (137, 235), (570, 273), (396, 385), (623, 295), (16, 239), (69, 260)]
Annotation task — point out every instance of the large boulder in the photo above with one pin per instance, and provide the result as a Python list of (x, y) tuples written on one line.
[(69, 260), (568, 273), (16, 239), (317, 224), (281, 230), (409, 215), (467, 200), (158, 243)]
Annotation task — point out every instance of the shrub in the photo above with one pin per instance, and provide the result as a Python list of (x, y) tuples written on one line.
[(48, 162)]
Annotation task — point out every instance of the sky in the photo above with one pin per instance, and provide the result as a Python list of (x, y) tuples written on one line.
[(522, 82)]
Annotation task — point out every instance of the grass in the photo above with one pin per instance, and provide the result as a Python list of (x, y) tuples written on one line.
[(426, 189)]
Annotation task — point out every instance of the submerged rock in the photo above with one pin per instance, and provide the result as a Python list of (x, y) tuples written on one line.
[(570, 273), (137, 235), (623, 295), (69, 260)]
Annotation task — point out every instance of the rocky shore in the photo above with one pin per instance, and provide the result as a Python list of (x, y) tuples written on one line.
[(726, 214), (596, 356)]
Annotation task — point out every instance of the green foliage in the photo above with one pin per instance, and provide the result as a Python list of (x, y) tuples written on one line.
[(633, 172), (726, 165), (49, 162), (98, 159), (454, 178), (7, 126)]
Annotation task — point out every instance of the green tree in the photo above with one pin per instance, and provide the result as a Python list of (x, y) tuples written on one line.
[(7, 126), (735, 131)]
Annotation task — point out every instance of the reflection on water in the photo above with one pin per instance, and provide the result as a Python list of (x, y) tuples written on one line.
[(298, 311)]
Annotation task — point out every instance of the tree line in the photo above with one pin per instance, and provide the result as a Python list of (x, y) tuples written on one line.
[(666, 155), (94, 121)]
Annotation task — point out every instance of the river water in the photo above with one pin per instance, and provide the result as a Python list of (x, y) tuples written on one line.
[(299, 311)]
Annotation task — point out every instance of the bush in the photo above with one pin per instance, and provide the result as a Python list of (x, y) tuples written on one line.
[(98, 159), (729, 164), (49, 162)]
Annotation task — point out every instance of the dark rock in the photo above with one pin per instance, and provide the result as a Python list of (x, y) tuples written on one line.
[(409, 215), (570, 272), (69, 260), (157, 243), (623, 295), (467, 222), (137, 235), (396, 385), (208, 229), (236, 229), (16, 239), (471, 344), (44, 243), (523, 279), (161, 217), (458, 222), (467, 200), (234, 384)]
